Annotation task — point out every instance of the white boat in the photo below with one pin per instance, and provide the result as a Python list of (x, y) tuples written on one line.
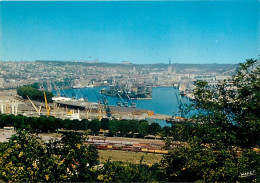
[(89, 86), (61, 99), (81, 99)]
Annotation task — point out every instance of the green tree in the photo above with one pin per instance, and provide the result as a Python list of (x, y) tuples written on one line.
[(24, 159), (119, 172), (223, 141), (166, 131), (3, 146), (154, 128), (33, 93), (35, 85), (94, 126), (231, 109), (123, 127), (133, 127), (183, 131), (78, 159), (27, 158), (104, 123), (113, 127), (143, 128)]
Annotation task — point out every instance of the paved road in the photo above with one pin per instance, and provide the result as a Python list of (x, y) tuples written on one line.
[(5, 135)]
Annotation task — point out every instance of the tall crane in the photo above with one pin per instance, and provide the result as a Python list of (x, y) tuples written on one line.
[(180, 105), (88, 109), (106, 106), (126, 103), (99, 111), (120, 97), (133, 104), (48, 108), (100, 116), (38, 110)]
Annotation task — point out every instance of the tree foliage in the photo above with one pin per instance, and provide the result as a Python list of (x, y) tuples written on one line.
[(52, 124), (42, 123), (119, 172), (33, 93), (28, 158), (223, 137), (231, 109), (200, 163)]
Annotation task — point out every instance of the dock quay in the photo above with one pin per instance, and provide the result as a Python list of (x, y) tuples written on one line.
[(116, 111), (159, 116), (73, 109)]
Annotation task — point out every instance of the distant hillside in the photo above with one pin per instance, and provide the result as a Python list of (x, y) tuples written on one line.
[(177, 67)]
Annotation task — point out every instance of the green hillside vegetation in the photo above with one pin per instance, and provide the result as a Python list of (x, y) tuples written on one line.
[(222, 143), (33, 93)]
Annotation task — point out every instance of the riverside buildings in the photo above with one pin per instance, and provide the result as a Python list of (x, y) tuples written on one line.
[(55, 75)]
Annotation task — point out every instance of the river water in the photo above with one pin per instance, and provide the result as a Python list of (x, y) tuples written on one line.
[(164, 100)]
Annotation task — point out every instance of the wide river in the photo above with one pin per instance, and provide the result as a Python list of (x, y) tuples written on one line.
[(164, 100)]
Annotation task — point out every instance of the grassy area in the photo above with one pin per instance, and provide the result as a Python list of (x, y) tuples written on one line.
[(130, 157)]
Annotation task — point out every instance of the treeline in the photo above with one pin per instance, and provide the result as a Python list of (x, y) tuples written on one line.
[(33, 93), (27, 158), (41, 124), (131, 128)]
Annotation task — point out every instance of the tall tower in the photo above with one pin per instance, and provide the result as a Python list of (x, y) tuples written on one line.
[(169, 67), (134, 69)]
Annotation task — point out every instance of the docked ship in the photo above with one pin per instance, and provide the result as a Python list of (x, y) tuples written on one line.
[(82, 86), (175, 119), (182, 90), (135, 92)]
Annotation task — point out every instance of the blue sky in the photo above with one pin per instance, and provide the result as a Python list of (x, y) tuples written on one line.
[(139, 32)]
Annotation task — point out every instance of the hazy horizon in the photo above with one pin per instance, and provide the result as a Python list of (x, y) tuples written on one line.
[(142, 32), (92, 62)]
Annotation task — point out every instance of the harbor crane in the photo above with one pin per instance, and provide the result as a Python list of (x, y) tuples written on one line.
[(133, 104), (119, 103), (38, 110), (48, 108), (106, 106), (88, 109), (180, 105), (100, 116), (120, 97), (99, 111)]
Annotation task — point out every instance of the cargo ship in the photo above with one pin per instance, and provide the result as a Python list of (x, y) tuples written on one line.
[(134, 92)]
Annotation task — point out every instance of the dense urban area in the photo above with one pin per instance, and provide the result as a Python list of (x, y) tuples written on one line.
[(66, 74)]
